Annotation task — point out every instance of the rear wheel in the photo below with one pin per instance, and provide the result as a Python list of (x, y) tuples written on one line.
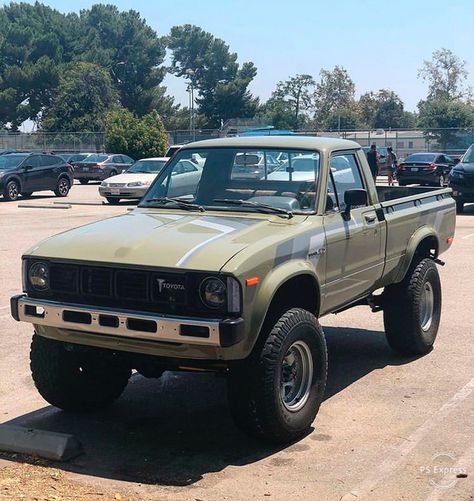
[(76, 378), (83, 181), (112, 173), (412, 310), (11, 191), (459, 207), (113, 200), (62, 188), (275, 394)]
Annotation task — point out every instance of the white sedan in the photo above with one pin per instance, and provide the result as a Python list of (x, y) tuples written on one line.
[(132, 183)]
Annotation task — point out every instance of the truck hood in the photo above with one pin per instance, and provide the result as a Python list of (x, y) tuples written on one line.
[(163, 239)]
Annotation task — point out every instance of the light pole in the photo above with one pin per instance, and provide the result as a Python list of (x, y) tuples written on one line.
[(190, 89)]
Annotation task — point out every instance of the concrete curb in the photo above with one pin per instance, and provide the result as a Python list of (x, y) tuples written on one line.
[(36, 206), (45, 444)]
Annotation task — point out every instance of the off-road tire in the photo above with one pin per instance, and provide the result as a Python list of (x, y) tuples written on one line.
[(459, 207), (79, 379), (408, 329), (83, 181), (113, 200), (254, 389), (62, 187), (11, 191)]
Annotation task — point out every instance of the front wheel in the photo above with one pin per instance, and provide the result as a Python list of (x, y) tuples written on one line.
[(11, 191), (275, 394), (459, 207), (113, 200), (76, 378), (412, 310), (83, 181), (63, 187)]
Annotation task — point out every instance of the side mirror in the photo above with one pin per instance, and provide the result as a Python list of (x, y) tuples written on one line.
[(353, 198)]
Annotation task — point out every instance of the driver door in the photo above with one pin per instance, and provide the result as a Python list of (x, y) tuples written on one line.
[(355, 257)]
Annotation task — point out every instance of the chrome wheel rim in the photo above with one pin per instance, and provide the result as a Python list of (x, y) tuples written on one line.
[(63, 187), (296, 376), (13, 191), (426, 306)]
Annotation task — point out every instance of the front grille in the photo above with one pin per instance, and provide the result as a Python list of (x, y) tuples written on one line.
[(132, 289), (96, 281), (117, 185)]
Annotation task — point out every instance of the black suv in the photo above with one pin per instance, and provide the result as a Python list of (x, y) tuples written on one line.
[(461, 180), (24, 173)]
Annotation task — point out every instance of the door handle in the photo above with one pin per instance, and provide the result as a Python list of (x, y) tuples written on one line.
[(369, 218)]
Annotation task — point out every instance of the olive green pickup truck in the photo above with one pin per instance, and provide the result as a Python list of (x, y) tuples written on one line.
[(227, 265)]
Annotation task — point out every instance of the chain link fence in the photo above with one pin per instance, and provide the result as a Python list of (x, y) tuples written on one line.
[(404, 142)]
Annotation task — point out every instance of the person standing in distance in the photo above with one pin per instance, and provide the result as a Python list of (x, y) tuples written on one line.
[(391, 164), (372, 158)]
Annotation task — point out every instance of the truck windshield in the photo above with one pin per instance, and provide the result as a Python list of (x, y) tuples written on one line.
[(238, 179)]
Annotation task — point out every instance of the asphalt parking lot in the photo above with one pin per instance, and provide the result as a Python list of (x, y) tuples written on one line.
[(389, 428)]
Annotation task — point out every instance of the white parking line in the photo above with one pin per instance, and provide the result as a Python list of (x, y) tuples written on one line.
[(468, 236), (397, 454)]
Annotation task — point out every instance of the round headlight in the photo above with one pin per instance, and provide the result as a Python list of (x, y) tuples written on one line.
[(38, 276), (213, 292)]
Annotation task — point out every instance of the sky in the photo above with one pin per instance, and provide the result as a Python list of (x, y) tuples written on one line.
[(381, 44)]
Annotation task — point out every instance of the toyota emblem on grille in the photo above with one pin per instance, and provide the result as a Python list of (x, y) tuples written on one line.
[(164, 285)]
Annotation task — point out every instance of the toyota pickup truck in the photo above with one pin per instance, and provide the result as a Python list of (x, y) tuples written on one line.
[(230, 273)]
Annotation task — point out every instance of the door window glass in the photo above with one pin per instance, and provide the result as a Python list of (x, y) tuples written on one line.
[(346, 175)]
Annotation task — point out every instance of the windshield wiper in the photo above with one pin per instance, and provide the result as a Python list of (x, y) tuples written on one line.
[(267, 209), (183, 204)]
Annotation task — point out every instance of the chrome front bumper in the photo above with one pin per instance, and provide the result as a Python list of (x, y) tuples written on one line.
[(127, 323), (122, 192)]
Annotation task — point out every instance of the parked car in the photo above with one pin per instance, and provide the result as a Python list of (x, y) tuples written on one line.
[(133, 183), (73, 158), (461, 180), (5, 152), (25, 173), (232, 277), (251, 165), (303, 168), (425, 168), (100, 166)]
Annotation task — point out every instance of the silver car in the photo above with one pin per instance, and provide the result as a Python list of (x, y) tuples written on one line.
[(132, 183)]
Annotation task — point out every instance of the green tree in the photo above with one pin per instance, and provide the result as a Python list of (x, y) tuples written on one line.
[(130, 49), (207, 63), (446, 76), (84, 96), (333, 93), (441, 120), (34, 40), (290, 102), (137, 137)]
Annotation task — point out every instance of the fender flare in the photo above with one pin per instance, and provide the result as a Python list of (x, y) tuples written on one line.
[(13, 177), (418, 236), (269, 288)]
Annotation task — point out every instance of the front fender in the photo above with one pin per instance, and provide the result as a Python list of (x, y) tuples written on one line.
[(263, 296)]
